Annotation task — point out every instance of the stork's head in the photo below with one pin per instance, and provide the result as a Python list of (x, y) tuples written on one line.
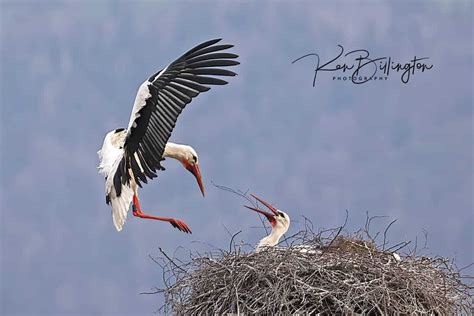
[(279, 220), (190, 161)]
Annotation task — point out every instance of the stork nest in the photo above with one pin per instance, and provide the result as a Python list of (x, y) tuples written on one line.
[(338, 274), (326, 272)]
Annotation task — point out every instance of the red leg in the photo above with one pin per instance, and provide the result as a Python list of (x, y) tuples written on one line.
[(137, 211)]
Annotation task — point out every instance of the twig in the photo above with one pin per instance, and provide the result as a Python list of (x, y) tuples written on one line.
[(385, 233), (171, 260), (232, 240), (339, 230), (245, 196)]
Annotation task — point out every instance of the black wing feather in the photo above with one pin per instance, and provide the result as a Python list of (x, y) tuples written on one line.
[(212, 71), (212, 56), (170, 92), (208, 50)]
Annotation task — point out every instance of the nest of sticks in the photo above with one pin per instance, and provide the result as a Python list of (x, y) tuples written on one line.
[(325, 272)]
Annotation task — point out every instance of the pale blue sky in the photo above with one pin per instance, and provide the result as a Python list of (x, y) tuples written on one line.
[(69, 73)]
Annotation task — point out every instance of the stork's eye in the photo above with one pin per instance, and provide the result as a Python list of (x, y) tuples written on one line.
[(195, 159), (281, 214)]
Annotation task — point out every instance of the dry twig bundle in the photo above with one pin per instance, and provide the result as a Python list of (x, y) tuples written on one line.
[(326, 272), (328, 275)]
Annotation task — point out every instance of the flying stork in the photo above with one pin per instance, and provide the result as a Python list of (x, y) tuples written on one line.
[(279, 220), (130, 156)]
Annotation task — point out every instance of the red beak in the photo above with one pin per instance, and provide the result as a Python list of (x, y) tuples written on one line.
[(194, 169), (269, 216)]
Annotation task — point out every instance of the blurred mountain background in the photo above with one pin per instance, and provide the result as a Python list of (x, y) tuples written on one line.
[(69, 74)]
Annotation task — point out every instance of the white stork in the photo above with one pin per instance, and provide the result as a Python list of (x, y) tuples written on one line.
[(131, 156), (279, 220)]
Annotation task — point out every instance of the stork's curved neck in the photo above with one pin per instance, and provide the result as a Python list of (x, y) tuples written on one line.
[(273, 238), (176, 151)]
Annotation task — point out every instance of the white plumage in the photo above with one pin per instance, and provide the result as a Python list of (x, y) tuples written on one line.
[(279, 220), (110, 156), (143, 94)]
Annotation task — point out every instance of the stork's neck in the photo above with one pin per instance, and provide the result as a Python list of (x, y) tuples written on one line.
[(176, 151), (273, 238)]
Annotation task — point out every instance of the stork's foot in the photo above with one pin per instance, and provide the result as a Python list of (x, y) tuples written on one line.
[(182, 226), (137, 211)]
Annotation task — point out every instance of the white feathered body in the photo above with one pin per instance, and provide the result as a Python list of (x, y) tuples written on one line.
[(109, 158), (280, 227)]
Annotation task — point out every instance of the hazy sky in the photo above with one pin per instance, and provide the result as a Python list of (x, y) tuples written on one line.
[(70, 71)]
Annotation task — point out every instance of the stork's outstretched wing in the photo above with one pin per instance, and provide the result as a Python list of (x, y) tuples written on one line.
[(159, 102)]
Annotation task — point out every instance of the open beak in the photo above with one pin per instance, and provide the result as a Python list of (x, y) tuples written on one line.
[(269, 216), (194, 169)]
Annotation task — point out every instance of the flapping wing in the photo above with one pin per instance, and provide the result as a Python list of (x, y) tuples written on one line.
[(159, 102)]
